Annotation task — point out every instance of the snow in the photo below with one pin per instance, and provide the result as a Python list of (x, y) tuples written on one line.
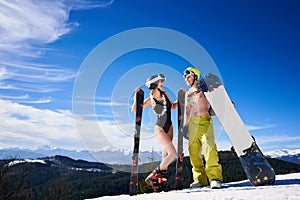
[(24, 161), (286, 187), (283, 152)]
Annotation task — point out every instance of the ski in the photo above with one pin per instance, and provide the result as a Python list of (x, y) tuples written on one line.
[(180, 155), (255, 164), (134, 187)]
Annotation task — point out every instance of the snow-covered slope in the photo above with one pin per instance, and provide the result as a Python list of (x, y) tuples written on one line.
[(286, 187)]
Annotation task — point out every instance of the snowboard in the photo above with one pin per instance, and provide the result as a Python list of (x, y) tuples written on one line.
[(134, 187), (255, 164), (180, 155)]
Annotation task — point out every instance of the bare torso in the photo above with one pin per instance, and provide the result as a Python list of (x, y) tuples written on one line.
[(197, 104)]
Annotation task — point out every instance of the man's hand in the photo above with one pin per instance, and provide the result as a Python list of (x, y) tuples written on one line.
[(185, 131)]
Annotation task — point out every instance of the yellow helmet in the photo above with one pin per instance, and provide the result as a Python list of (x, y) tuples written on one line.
[(192, 70)]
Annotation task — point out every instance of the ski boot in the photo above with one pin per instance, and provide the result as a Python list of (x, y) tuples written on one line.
[(157, 179)]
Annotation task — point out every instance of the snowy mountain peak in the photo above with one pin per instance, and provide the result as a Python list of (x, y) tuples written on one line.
[(108, 148), (282, 152), (286, 155), (47, 147), (113, 155)]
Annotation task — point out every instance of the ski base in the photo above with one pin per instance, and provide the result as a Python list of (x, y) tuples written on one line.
[(134, 186), (179, 178), (180, 155)]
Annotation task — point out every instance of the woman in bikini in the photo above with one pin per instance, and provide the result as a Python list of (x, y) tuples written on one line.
[(161, 104)]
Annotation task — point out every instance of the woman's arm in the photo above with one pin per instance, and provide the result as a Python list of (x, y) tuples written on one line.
[(145, 104)]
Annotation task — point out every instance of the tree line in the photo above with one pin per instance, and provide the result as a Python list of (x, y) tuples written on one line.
[(56, 180)]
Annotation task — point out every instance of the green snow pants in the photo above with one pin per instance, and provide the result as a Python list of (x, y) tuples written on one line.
[(201, 132)]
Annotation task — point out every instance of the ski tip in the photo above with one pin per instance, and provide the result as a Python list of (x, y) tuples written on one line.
[(138, 89)]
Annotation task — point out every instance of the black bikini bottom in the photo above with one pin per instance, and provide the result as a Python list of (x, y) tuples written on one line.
[(165, 125)]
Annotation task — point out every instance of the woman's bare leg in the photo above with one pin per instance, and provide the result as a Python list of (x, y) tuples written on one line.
[(168, 149)]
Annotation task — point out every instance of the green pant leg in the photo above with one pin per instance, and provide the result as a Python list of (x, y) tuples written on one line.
[(195, 151), (212, 166)]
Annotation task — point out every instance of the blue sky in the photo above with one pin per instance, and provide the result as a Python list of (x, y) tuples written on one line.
[(46, 45)]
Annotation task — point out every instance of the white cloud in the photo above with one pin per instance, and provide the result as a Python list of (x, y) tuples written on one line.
[(26, 23), (26, 96), (47, 75), (254, 128), (26, 99), (89, 4), (27, 28), (30, 127), (37, 101), (276, 142), (3, 73), (96, 135), (30, 23), (278, 139), (5, 86), (110, 104), (33, 79)]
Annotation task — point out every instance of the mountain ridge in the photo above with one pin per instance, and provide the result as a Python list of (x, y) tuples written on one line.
[(286, 155), (106, 155), (117, 156)]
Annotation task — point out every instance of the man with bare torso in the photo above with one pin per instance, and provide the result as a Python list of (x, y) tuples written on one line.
[(200, 132)]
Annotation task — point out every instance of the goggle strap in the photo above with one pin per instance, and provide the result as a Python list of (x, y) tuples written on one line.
[(154, 80)]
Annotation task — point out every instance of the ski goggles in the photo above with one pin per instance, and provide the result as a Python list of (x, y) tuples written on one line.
[(187, 73), (151, 83)]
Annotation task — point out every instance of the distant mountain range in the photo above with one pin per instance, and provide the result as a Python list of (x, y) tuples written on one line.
[(106, 155), (117, 156), (286, 155)]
